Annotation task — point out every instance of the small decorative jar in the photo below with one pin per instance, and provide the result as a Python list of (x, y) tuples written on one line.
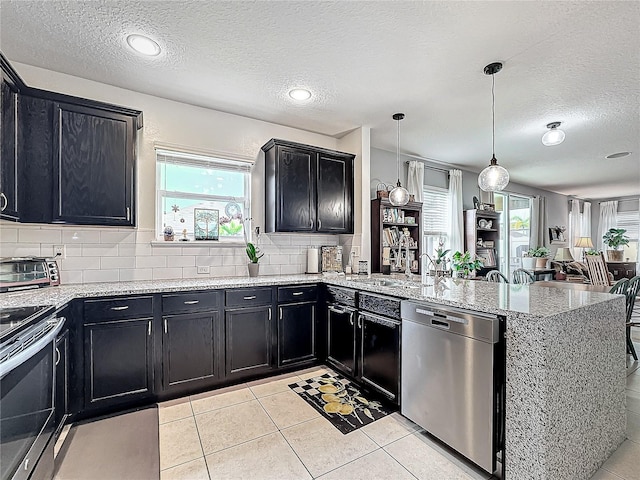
[(168, 234)]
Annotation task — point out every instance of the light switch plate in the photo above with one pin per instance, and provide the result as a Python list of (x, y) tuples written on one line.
[(203, 270)]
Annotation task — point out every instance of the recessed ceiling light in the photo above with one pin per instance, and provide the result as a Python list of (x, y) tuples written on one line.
[(143, 45), (300, 94), (618, 155)]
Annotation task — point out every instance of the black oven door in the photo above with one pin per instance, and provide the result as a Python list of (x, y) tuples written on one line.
[(26, 409)]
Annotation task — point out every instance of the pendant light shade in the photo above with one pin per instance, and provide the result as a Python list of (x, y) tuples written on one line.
[(493, 178), (399, 196), (554, 136)]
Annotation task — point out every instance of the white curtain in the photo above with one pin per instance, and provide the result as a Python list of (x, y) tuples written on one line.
[(575, 228), (608, 219), (455, 211), (538, 223), (415, 179), (585, 226)]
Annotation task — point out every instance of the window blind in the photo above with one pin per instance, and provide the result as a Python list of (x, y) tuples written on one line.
[(202, 161), (631, 222), (434, 211)]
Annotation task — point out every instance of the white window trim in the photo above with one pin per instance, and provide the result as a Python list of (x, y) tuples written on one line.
[(203, 156)]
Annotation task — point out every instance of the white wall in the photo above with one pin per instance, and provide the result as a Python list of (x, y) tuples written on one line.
[(111, 254)]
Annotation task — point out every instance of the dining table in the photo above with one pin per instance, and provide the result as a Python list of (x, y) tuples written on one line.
[(587, 287)]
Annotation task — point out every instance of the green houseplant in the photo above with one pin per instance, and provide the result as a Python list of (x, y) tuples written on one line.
[(464, 265), (540, 254), (614, 239), (252, 253)]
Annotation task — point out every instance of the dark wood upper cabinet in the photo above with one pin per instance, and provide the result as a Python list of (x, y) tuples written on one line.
[(65, 159), (307, 189), (93, 166), (9, 151)]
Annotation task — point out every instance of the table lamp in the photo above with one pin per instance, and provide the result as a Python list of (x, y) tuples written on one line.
[(563, 255), (584, 242)]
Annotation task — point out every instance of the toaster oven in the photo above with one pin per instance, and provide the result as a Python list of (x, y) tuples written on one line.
[(27, 272)]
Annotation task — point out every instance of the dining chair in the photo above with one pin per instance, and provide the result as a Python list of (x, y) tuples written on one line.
[(497, 277), (598, 273), (620, 287), (632, 292), (521, 276)]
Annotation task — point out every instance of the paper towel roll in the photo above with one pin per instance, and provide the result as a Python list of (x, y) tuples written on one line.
[(312, 260)]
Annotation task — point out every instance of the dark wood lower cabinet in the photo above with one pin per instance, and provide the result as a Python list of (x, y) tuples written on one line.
[(341, 348), (190, 350), (379, 359), (296, 333), (118, 362), (248, 340)]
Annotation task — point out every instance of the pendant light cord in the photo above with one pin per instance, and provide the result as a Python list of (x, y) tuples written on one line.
[(493, 115), (398, 151)]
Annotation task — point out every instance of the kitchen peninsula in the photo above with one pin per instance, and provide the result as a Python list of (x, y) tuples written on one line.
[(565, 366)]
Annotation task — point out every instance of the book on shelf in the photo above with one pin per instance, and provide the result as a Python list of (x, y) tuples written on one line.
[(393, 215)]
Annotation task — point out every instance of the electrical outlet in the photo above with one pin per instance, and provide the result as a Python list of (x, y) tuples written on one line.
[(355, 250), (60, 251), (203, 270)]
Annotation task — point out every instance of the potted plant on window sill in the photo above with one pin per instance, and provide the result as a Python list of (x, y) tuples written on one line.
[(463, 265), (614, 239), (541, 254), (252, 253)]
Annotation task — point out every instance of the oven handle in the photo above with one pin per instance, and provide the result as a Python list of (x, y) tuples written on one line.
[(31, 350)]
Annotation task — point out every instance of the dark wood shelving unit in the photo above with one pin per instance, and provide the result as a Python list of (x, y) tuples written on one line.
[(473, 232), (379, 223)]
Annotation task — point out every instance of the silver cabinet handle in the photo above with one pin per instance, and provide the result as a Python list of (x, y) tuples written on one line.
[(5, 202), (295, 294), (319, 224), (269, 313), (117, 309), (128, 213), (336, 310), (149, 329), (351, 319), (280, 310), (250, 297), (57, 356), (359, 321), (165, 325), (191, 302)]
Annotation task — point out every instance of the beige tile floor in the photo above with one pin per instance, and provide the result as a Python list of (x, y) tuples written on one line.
[(262, 430)]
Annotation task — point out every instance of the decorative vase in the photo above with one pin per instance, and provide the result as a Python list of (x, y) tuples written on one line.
[(541, 262), (528, 263), (253, 269), (168, 237), (615, 255)]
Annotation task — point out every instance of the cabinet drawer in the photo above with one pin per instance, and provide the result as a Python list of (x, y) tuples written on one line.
[(299, 293), (244, 297), (386, 306), (343, 296), (190, 302), (117, 307)]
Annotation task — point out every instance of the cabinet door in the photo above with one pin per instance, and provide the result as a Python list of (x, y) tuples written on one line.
[(93, 166), (190, 351), (61, 405), (295, 190), (335, 194), (9, 153), (296, 333), (118, 360), (379, 362), (341, 338), (248, 340)]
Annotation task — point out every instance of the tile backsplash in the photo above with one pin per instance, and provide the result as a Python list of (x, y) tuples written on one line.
[(104, 254)]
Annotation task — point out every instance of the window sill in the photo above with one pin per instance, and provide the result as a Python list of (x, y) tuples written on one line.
[(197, 243)]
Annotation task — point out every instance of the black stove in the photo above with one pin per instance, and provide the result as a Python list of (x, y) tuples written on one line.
[(15, 320)]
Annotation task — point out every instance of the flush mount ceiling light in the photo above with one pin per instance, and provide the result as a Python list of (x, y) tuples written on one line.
[(493, 178), (399, 196), (300, 94), (143, 45), (618, 155), (554, 136)]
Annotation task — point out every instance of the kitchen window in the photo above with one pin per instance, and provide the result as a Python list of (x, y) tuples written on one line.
[(435, 207), (207, 196), (630, 221)]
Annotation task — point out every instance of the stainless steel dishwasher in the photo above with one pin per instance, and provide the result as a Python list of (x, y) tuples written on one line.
[(451, 377)]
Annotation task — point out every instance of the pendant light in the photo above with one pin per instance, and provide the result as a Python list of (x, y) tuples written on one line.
[(399, 196), (493, 178), (554, 136)]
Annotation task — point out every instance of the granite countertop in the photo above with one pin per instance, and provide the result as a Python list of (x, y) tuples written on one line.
[(498, 298)]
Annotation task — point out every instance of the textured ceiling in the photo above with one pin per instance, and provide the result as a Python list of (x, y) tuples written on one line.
[(575, 62)]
